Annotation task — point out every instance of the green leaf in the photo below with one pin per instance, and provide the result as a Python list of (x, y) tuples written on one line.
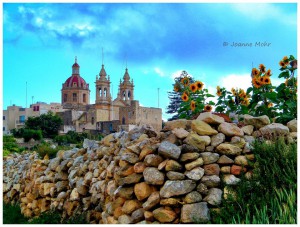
[(271, 95), (209, 95), (211, 103), (284, 74), (292, 58), (249, 90)]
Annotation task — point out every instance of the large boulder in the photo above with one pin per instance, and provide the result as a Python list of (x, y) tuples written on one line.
[(292, 125), (169, 150), (210, 118), (196, 212), (228, 149), (274, 129), (175, 188), (257, 122), (202, 128), (230, 129)]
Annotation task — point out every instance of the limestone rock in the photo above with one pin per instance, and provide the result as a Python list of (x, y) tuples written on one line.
[(236, 170), (74, 195), (142, 190), (130, 206), (133, 178), (209, 157), (180, 133), (139, 167), (217, 139), (169, 150), (274, 129), (238, 141), (175, 175), (257, 122), (153, 160), (189, 156), (202, 189), (172, 165), (192, 165), (211, 181), (164, 215), (125, 219), (130, 157), (152, 201), (195, 174), (225, 169), (248, 129), (174, 188), (225, 160), (241, 160), (180, 123), (125, 192), (170, 202), (230, 129), (195, 140), (249, 139), (210, 118), (198, 211), (228, 149), (153, 176), (230, 179), (211, 169), (108, 139), (202, 128), (137, 215), (193, 197), (292, 125), (214, 196)]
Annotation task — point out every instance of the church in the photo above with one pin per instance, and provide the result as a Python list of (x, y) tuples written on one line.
[(106, 115)]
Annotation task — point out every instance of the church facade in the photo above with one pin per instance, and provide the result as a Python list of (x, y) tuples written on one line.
[(107, 114)]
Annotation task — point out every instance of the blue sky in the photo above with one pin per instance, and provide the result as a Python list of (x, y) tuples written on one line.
[(158, 41)]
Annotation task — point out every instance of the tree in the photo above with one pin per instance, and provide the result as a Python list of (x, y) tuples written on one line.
[(175, 96), (48, 123)]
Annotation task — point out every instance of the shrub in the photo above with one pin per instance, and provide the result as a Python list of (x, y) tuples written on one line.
[(32, 134), (10, 145)]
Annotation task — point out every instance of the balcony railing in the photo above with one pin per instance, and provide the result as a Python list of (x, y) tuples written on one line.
[(18, 122)]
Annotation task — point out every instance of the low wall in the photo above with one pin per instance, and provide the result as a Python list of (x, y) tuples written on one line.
[(172, 176)]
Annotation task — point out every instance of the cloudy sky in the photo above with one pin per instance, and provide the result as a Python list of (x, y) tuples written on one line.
[(158, 41)]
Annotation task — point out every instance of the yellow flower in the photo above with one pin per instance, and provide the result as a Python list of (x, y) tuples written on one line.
[(193, 105), (285, 58), (270, 105), (255, 72), (282, 64), (199, 85), (219, 93), (256, 83), (268, 73), (262, 68), (261, 80), (267, 80), (185, 81), (185, 97), (233, 91), (193, 87), (218, 88), (207, 108)]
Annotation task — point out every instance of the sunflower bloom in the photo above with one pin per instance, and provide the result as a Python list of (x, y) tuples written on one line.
[(268, 73), (193, 87), (199, 85), (270, 105), (256, 83), (262, 68), (255, 72), (219, 93), (233, 91), (282, 64), (176, 89), (207, 108), (185, 97), (193, 105), (267, 80), (262, 80), (285, 58), (185, 81)]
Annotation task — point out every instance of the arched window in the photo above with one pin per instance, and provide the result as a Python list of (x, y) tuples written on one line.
[(84, 97), (105, 92), (129, 94), (74, 97), (124, 95), (100, 92), (93, 120), (123, 121), (65, 97)]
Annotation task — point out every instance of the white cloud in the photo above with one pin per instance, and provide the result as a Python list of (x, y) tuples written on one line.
[(235, 81), (159, 72), (176, 74)]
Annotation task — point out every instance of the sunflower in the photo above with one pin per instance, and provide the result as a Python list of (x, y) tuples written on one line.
[(262, 68), (256, 83), (282, 64), (219, 93), (268, 73), (270, 105), (245, 102), (207, 108), (261, 80), (185, 97), (193, 87), (193, 105), (285, 58), (199, 85), (267, 80), (185, 81), (233, 91), (255, 72)]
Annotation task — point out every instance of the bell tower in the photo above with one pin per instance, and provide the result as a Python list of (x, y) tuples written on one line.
[(126, 88), (103, 95)]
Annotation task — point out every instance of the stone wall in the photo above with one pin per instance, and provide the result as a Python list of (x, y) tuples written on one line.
[(144, 176)]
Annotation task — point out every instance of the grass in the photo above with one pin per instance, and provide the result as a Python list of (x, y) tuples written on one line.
[(270, 196), (12, 215)]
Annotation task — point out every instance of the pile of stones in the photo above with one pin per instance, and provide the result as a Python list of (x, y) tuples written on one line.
[(142, 176)]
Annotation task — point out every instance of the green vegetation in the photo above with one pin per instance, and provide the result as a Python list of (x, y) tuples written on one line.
[(10, 145), (45, 149), (71, 137), (269, 197), (12, 215)]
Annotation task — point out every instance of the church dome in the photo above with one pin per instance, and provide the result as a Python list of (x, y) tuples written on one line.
[(75, 81)]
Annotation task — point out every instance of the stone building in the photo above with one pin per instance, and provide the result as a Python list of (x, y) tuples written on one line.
[(108, 114)]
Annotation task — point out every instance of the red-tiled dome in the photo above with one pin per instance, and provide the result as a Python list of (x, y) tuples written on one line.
[(75, 65), (76, 81)]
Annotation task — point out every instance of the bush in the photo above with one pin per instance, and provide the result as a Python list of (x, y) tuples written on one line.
[(32, 134), (71, 137), (269, 197), (10, 145)]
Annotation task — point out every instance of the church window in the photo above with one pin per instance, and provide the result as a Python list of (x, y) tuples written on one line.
[(105, 92), (65, 97), (74, 97), (84, 97), (129, 94), (100, 91), (3, 128), (4, 118)]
